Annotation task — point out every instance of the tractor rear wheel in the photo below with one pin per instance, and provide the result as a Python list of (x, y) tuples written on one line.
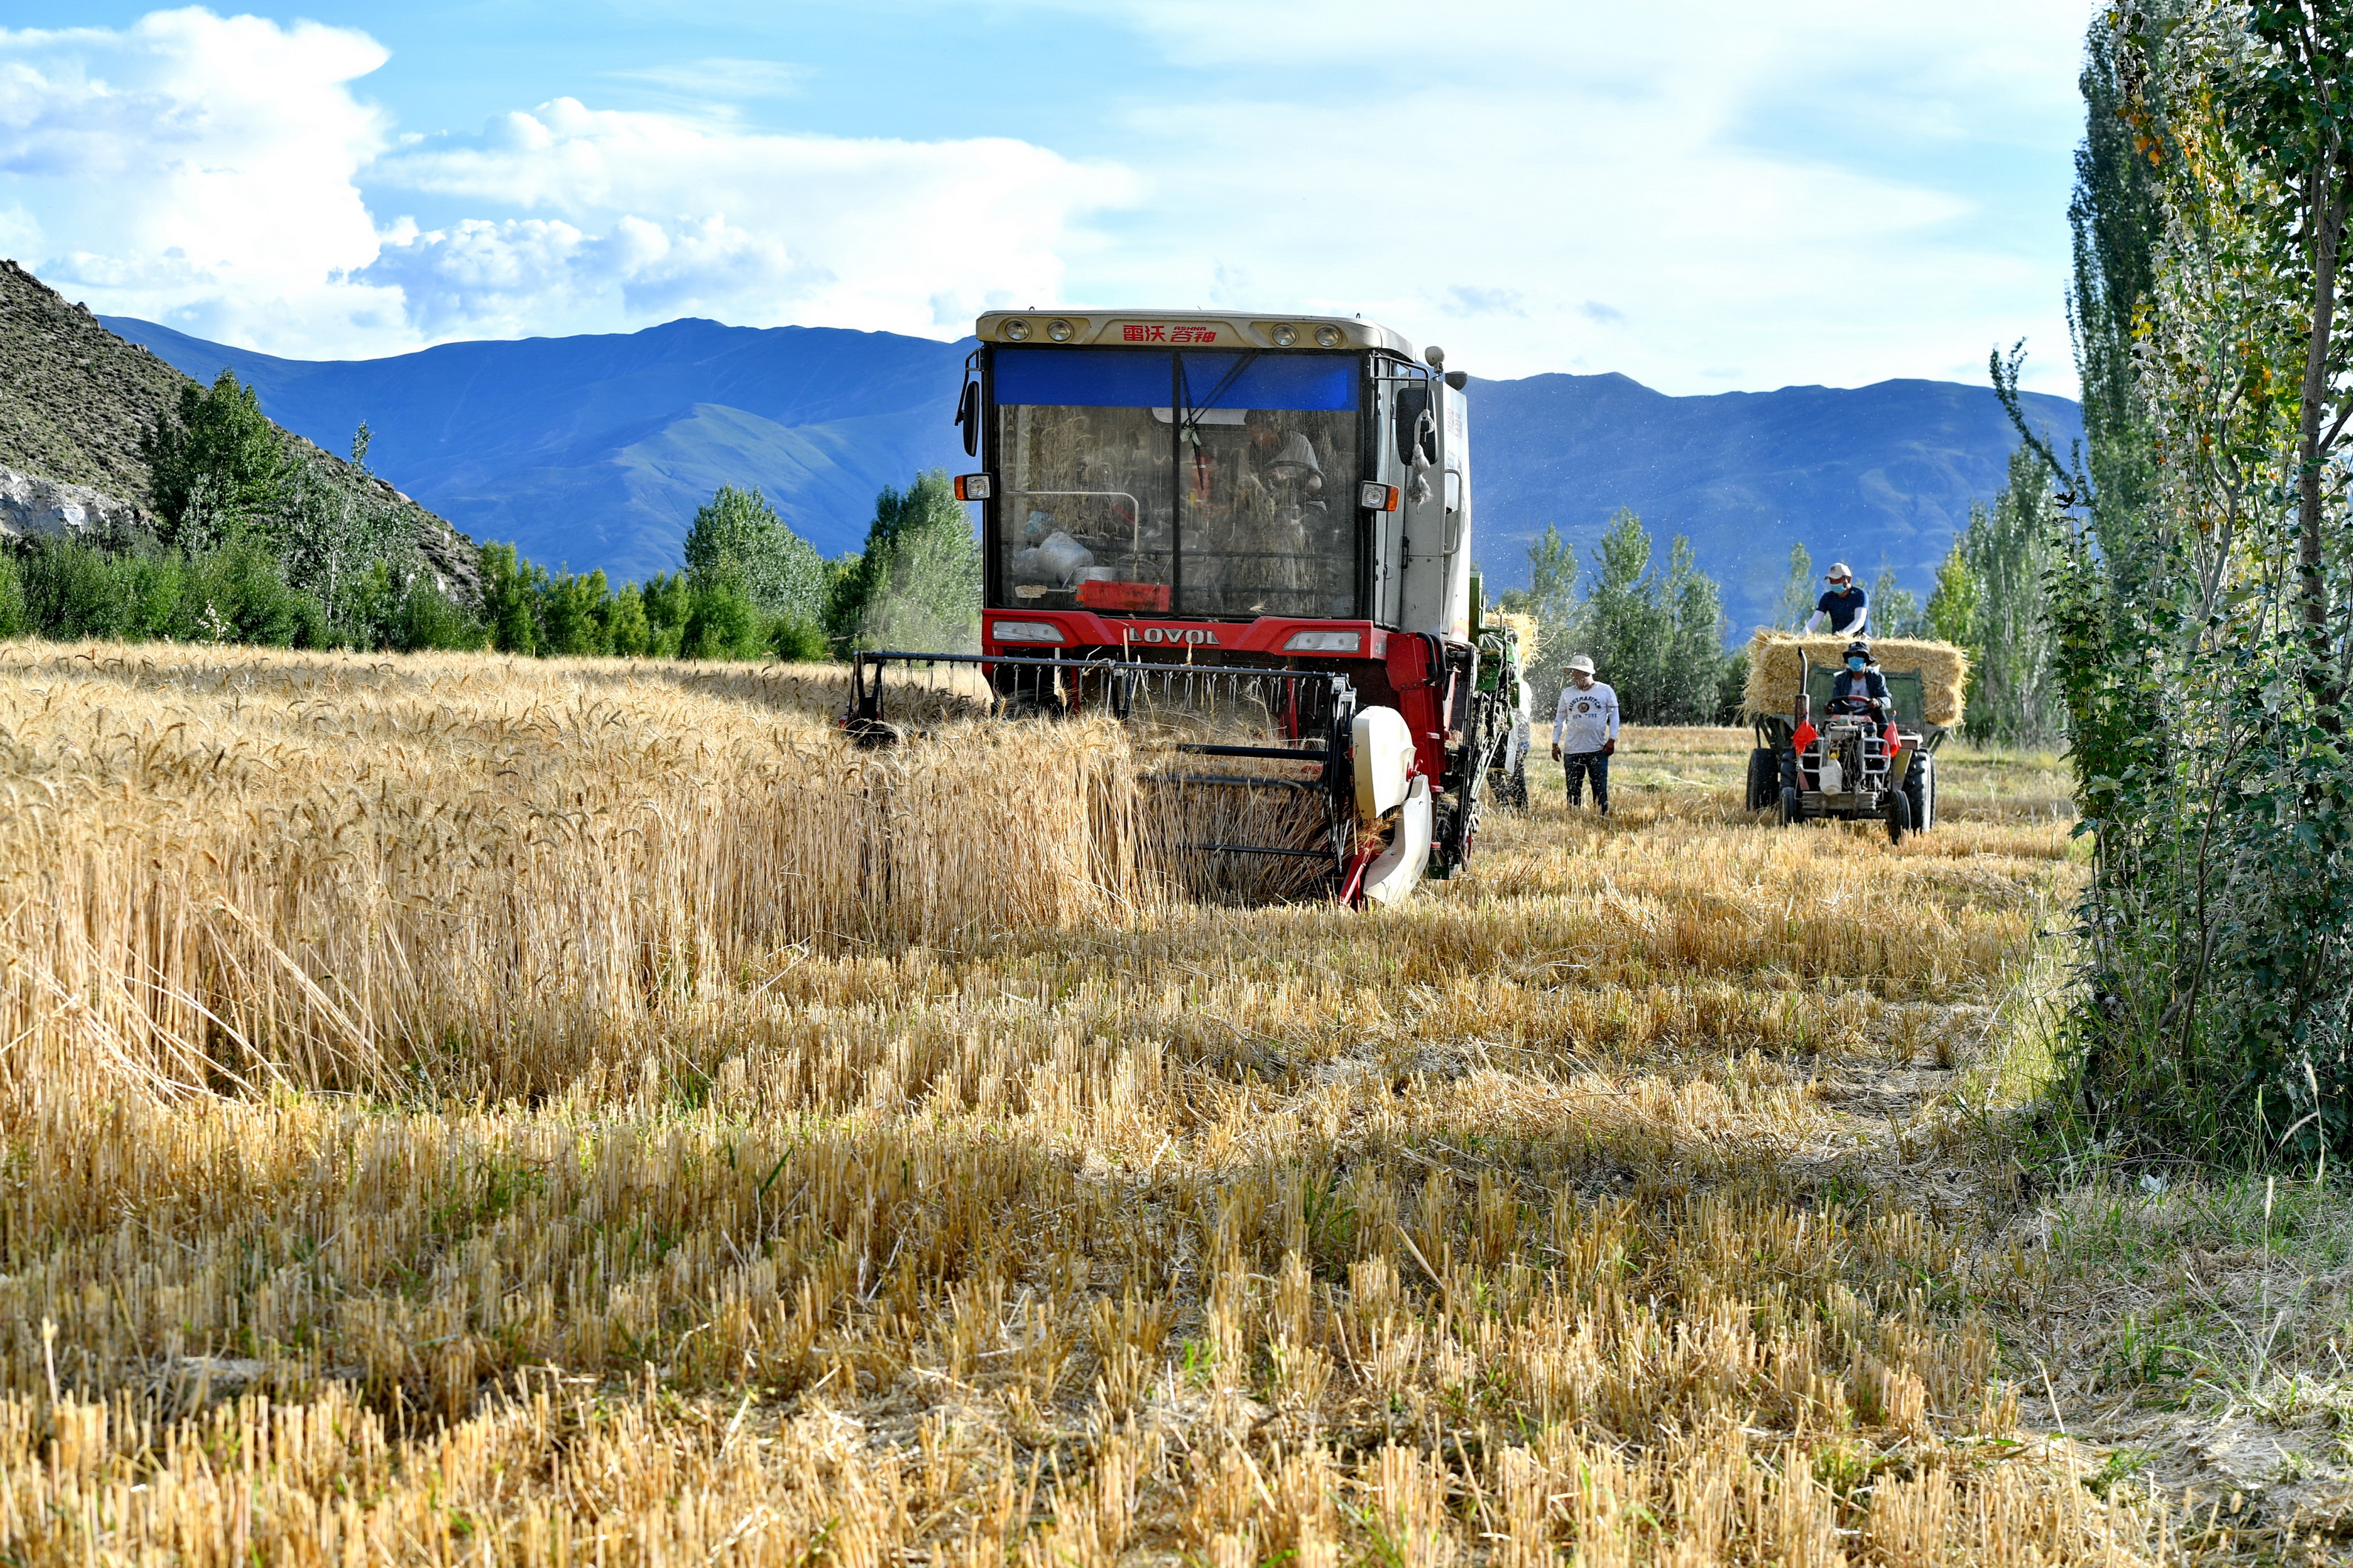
[(1899, 816), (1788, 807), (1764, 778), (1920, 791)]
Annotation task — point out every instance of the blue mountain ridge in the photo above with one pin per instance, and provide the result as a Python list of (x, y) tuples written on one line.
[(594, 451)]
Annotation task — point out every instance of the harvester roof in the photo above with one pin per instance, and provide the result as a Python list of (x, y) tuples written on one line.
[(1205, 329)]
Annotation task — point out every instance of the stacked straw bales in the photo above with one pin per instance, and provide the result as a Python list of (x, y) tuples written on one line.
[(1773, 661)]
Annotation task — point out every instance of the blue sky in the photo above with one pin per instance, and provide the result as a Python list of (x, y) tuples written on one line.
[(1703, 195)]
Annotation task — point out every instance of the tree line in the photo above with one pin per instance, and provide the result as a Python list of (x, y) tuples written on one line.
[(250, 544), (2198, 557)]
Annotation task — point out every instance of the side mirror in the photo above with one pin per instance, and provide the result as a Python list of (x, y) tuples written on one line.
[(967, 416)]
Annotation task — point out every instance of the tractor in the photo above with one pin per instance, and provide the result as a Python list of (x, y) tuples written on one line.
[(1818, 758)]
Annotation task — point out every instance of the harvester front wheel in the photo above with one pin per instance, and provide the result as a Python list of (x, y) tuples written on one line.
[(1899, 816), (1788, 807), (1514, 791), (1764, 777)]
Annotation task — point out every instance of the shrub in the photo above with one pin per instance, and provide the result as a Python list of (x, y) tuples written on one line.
[(798, 642)]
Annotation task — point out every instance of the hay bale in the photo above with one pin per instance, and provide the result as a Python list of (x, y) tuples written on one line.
[(1776, 658)]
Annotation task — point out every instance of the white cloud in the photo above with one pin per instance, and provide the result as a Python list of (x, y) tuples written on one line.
[(1831, 193), (720, 82), (1730, 200), (220, 173), (668, 216), (196, 169)]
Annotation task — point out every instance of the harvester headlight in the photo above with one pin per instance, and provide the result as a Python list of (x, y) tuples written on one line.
[(1324, 642), (1059, 330), (973, 487), (1017, 328), (1284, 337), (1374, 496), (1025, 631), (1328, 337)]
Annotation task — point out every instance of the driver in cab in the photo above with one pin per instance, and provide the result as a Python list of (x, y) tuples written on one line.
[(1859, 689)]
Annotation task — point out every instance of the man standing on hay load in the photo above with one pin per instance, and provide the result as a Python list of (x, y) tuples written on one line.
[(1846, 606), (1585, 732)]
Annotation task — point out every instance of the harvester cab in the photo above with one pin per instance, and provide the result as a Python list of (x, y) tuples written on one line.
[(1249, 539)]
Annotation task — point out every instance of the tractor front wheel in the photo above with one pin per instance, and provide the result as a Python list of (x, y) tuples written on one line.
[(1788, 807), (1764, 778), (1899, 816)]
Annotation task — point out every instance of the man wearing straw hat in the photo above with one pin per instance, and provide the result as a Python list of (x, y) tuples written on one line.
[(1846, 606), (1585, 732)]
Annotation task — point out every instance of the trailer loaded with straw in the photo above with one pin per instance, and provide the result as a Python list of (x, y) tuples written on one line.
[(1810, 762)]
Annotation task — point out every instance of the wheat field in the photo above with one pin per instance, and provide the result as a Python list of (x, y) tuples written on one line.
[(463, 1110)]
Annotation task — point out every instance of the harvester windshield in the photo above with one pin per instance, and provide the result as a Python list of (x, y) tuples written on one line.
[(1204, 483)]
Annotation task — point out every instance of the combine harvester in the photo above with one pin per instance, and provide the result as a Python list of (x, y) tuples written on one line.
[(1249, 539)]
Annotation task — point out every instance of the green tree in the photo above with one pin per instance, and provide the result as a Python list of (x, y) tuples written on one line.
[(1655, 635), (2009, 548), (1895, 609), (668, 603), (722, 621), (511, 599), (427, 618), (917, 583), (214, 462), (782, 572), (347, 548), (1952, 613), (628, 633), (1800, 591), (572, 614), (2200, 605)]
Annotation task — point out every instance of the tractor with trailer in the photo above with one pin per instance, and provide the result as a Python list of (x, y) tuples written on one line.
[(1817, 757), (1251, 534)]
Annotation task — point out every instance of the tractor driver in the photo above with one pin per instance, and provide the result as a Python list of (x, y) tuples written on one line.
[(1859, 689)]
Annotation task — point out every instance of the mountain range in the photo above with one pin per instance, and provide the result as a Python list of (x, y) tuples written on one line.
[(594, 451)]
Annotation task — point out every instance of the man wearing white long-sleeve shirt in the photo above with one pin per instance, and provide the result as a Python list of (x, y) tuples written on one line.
[(1585, 732)]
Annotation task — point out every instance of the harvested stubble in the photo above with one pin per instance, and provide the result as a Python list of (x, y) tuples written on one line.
[(1774, 664), (1489, 1226)]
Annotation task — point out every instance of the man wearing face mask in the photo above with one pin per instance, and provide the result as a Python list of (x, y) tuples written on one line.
[(1859, 689), (1846, 607)]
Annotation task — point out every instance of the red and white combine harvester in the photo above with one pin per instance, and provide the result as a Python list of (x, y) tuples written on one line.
[(1191, 514)]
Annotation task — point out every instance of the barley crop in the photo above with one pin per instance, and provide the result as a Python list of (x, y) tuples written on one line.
[(456, 1111)]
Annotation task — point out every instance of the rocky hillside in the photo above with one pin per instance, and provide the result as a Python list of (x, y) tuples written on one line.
[(75, 401)]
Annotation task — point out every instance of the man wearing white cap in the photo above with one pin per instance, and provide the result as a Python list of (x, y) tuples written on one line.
[(1585, 732), (1846, 606)]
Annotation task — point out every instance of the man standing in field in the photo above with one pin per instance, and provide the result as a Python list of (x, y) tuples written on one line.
[(1585, 732)]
